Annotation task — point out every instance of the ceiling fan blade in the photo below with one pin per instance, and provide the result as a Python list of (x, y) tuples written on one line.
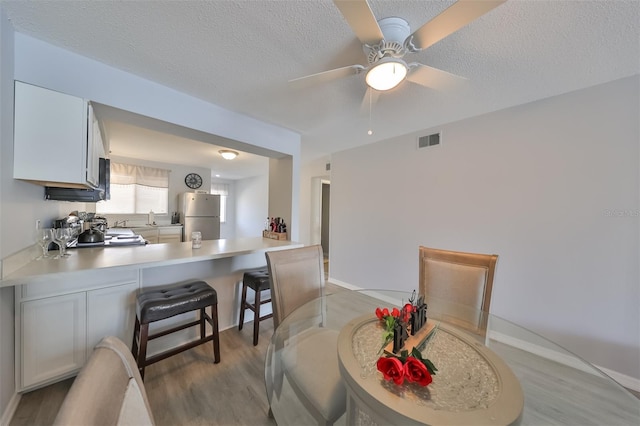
[(325, 76), (361, 20), (369, 100), (451, 20), (433, 78)]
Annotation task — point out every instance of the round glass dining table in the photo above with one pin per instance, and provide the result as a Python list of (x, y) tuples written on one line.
[(490, 370)]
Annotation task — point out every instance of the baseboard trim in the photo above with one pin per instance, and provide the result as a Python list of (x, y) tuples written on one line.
[(8, 413), (343, 284), (569, 360)]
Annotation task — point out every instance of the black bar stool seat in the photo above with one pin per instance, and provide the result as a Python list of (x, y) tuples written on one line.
[(162, 303), (258, 281)]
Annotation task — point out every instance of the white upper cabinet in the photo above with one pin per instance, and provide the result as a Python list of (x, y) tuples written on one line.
[(57, 140)]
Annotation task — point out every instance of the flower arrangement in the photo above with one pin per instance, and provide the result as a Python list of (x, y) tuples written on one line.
[(411, 366)]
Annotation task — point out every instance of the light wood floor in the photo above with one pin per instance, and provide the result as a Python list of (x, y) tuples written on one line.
[(188, 389)]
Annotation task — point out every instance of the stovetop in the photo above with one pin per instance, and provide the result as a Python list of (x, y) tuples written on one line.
[(111, 241)]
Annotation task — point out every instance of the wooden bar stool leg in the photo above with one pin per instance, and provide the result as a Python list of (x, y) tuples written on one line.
[(142, 356), (134, 344), (216, 339), (256, 317), (243, 302), (203, 318)]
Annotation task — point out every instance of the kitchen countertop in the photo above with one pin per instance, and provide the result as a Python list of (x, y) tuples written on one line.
[(149, 255)]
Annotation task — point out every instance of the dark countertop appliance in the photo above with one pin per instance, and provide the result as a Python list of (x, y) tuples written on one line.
[(84, 195), (91, 236)]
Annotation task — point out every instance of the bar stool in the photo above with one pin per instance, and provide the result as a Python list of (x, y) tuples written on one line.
[(158, 304), (258, 281)]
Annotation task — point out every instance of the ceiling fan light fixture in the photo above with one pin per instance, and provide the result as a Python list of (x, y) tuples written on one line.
[(386, 74), (227, 154)]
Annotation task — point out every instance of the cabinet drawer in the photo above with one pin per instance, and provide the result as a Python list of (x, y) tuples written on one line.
[(77, 281), (170, 239), (170, 230)]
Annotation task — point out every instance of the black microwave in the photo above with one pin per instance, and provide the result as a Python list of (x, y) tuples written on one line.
[(84, 195)]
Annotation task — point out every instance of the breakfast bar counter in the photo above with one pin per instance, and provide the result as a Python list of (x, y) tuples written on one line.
[(64, 307), (149, 255)]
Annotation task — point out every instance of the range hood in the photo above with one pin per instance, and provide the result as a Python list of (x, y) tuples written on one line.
[(83, 195)]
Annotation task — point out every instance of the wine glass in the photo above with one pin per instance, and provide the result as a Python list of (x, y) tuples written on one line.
[(60, 237), (44, 238)]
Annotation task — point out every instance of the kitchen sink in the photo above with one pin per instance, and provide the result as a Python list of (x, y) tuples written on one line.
[(119, 231)]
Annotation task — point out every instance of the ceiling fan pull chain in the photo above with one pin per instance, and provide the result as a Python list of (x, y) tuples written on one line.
[(370, 132)]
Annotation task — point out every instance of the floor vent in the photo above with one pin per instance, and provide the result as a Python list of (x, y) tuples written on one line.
[(429, 140)]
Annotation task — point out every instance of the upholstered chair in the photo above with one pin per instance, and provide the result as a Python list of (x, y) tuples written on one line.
[(297, 277), (457, 284)]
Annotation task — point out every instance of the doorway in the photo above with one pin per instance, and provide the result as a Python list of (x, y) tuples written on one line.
[(320, 229), (324, 223)]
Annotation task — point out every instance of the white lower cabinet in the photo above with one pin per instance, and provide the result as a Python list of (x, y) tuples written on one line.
[(170, 234), (59, 322), (53, 337), (149, 234), (106, 316), (160, 234)]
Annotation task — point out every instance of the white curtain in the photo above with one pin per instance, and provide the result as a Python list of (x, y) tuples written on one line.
[(127, 174), (136, 190)]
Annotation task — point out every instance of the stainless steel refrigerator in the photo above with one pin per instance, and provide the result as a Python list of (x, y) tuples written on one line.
[(200, 212)]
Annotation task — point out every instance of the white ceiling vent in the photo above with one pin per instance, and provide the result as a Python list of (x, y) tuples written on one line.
[(429, 140)]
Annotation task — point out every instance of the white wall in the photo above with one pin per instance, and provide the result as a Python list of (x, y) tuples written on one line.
[(228, 228), (280, 184), (252, 201), (553, 187)]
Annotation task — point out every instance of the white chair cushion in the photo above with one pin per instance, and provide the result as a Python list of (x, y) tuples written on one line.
[(313, 367)]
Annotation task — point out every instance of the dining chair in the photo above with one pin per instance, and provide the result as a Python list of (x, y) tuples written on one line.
[(297, 277), (460, 282)]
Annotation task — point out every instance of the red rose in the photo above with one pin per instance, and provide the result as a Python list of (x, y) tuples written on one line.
[(406, 312), (379, 313), (392, 369), (416, 371), (395, 313), (385, 312)]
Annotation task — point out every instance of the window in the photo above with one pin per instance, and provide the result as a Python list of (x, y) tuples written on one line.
[(136, 190), (221, 189)]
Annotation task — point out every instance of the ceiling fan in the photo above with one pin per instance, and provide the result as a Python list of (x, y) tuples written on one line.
[(387, 41)]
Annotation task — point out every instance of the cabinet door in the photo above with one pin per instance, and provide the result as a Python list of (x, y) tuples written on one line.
[(94, 149), (170, 238), (50, 137), (53, 337), (111, 312), (151, 235)]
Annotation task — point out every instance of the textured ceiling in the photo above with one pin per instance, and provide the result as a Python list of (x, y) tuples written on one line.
[(240, 55)]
